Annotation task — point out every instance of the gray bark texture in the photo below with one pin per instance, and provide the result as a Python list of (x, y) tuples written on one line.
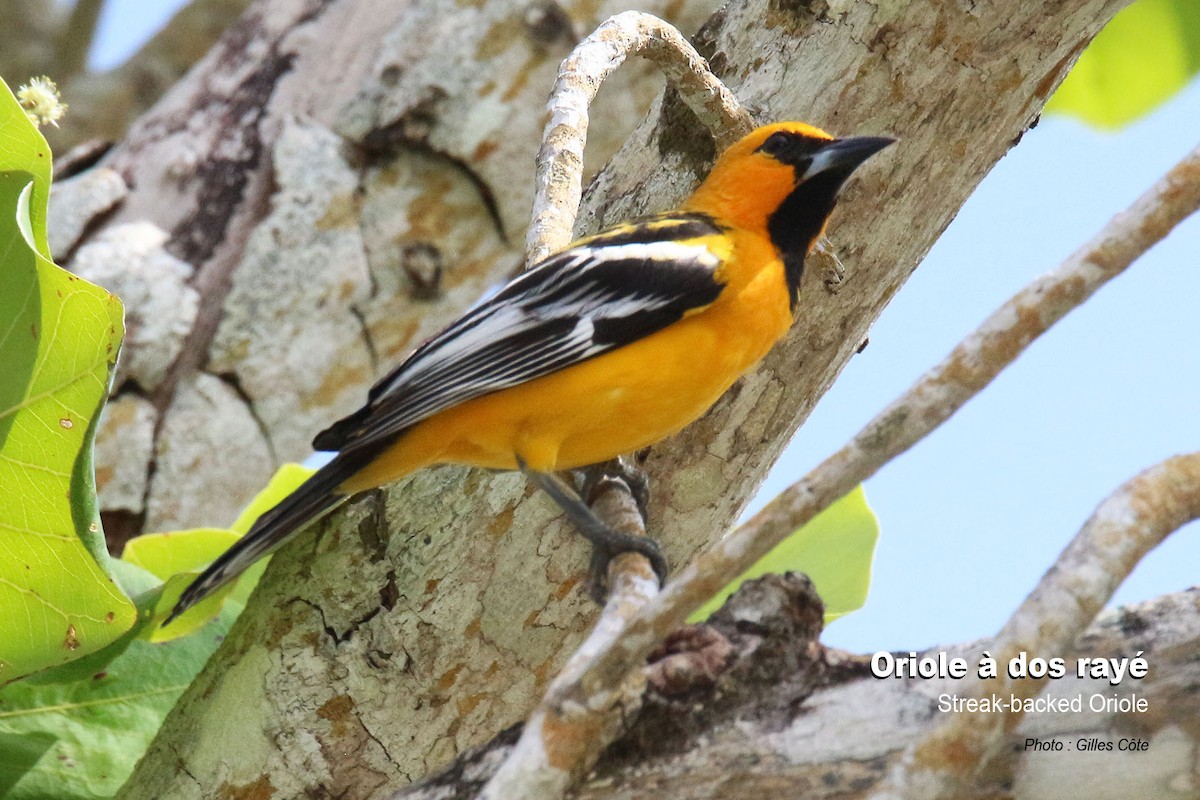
[(334, 182), (752, 706)]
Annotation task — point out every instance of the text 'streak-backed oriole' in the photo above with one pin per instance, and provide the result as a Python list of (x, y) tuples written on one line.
[(608, 346)]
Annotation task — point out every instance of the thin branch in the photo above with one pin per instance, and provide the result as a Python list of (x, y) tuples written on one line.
[(1127, 525), (563, 738), (561, 741), (927, 404), (560, 159)]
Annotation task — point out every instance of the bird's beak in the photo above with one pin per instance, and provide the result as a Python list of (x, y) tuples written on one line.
[(845, 155)]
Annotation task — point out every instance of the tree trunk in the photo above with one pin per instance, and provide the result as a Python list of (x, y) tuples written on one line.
[(332, 166)]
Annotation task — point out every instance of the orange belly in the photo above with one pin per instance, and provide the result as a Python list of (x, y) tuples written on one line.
[(612, 404)]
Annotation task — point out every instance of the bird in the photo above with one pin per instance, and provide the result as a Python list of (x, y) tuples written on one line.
[(603, 348)]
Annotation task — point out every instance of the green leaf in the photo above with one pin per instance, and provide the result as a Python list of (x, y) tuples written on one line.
[(177, 557), (135, 582), (835, 550), (1146, 54), (92, 732), (23, 148), (165, 554), (18, 754), (59, 337), (285, 481), (76, 731)]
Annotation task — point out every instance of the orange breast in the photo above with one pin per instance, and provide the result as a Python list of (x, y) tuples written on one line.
[(612, 404)]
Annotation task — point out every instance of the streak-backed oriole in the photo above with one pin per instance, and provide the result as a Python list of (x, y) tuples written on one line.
[(606, 347)]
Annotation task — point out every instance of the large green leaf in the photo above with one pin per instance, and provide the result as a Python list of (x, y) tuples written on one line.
[(835, 549), (77, 730), (19, 752), (81, 740), (1142, 57), (59, 337)]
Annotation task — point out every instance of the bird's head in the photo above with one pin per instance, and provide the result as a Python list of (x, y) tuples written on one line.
[(783, 180)]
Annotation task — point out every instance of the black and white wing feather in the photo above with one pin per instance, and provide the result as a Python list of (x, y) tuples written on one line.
[(604, 292)]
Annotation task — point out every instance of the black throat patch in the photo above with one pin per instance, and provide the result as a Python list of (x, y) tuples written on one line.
[(797, 223)]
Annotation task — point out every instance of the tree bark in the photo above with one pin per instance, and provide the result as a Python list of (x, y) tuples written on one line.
[(104, 104), (329, 167), (790, 718), (27, 39), (41, 37)]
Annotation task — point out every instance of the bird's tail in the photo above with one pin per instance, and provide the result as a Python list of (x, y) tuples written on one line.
[(312, 499)]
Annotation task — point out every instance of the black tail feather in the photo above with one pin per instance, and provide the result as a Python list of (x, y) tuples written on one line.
[(310, 500)]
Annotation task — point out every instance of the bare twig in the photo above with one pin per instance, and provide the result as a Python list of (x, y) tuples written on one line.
[(1127, 525), (560, 160), (562, 739), (931, 401)]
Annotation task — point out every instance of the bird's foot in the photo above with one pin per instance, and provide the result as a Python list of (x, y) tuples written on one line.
[(607, 542)]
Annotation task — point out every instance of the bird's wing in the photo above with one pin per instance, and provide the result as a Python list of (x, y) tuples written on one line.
[(604, 292)]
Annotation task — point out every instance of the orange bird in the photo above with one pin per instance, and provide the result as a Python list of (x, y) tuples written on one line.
[(603, 348)]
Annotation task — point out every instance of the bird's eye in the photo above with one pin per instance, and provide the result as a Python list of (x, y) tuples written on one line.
[(776, 144)]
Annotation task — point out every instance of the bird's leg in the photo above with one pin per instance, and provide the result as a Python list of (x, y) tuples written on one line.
[(606, 542), (635, 479)]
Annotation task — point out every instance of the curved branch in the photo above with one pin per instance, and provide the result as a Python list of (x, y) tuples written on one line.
[(560, 159), (562, 740)]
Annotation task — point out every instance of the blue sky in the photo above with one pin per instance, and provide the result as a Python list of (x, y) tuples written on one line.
[(124, 25), (973, 515)]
